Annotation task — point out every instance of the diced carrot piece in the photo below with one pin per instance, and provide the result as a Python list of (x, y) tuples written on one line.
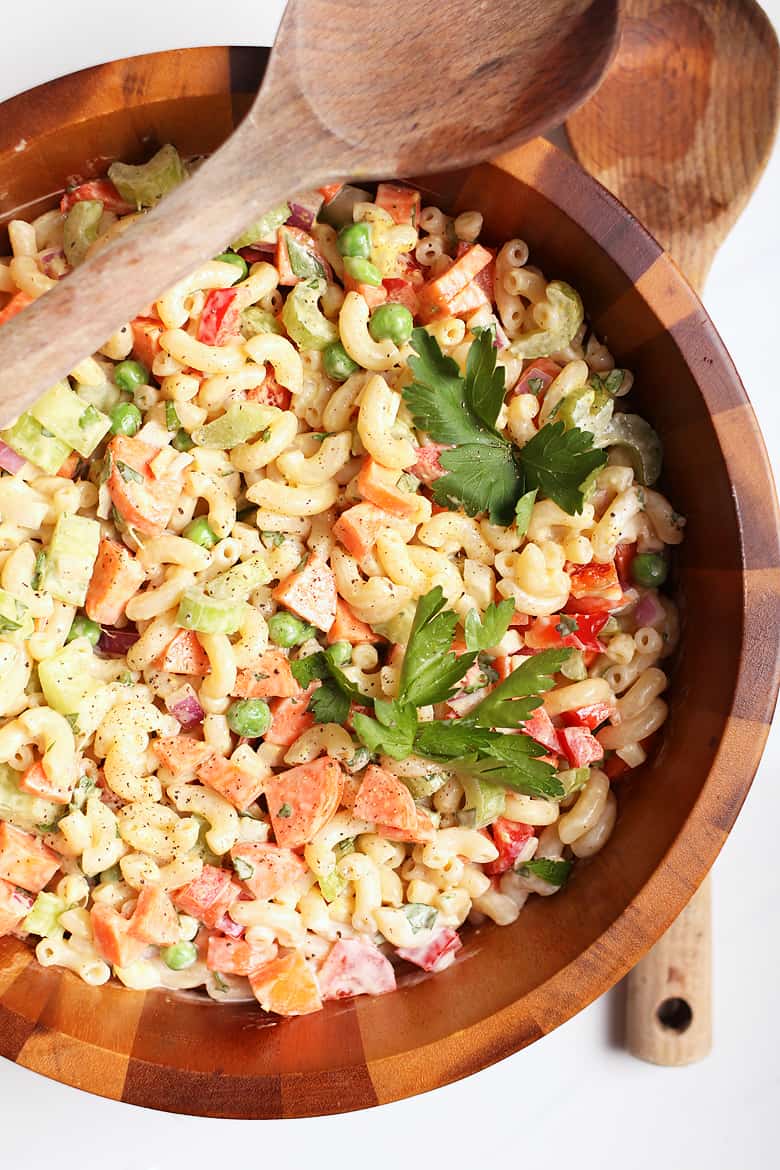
[(184, 655), (18, 301), (372, 294), (69, 466), (145, 503), (302, 800), (236, 956), (155, 919), (272, 867), (14, 906), (36, 783), (25, 860), (385, 800), (310, 592), (226, 778), (330, 191), (359, 527), (443, 290), (208, 896), (180, 754), (287, 986), (147, 332), (424, 830), (112, 938), (270, 677), (102, 190), (291, 717), (348, 628), (376, 484), (402, 203), (116, 577)]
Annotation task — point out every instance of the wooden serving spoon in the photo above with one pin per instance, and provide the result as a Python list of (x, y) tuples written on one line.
[(361, 88), (680, 131)]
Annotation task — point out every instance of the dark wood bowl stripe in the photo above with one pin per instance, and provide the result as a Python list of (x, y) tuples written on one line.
[(512, 985)]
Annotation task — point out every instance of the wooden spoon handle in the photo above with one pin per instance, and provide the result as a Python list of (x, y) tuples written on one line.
[(194, 222), (669, 1019)]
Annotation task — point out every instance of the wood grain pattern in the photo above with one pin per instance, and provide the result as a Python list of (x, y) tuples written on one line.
[(510, 71), (680, 131), (514, 984)]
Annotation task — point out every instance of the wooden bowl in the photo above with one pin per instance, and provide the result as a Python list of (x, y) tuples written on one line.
[(512, 985)]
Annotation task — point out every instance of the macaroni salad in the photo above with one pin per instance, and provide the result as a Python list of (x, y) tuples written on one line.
[(329, 601)]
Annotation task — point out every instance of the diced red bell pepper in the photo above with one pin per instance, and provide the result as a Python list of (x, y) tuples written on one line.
[(220, 318), (538, 376), (614, 767), (596, 580), (428, 468), (208, 896), (434, 955), (576, 630), (624, 556), (580, 746), (15, 904), (102, 190), (355, 966), (591, 717), (401, 292), (509, 837), (227, 926), (330, 191), (540, 728), (236, 956), (270, 393)]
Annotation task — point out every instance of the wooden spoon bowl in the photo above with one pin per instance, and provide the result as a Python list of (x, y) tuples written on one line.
[(511, 985)]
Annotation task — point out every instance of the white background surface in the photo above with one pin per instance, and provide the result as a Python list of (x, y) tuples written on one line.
[(576, 1094)]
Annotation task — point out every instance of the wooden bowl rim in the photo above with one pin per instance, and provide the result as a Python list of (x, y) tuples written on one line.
[(590, 206)]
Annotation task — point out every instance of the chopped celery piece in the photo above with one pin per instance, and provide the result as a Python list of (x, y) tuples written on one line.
[(77, 423), (574, 667), (80, 230), (237, 583), (240, 422), (573, 779), (303, 262), (263, 230), (339, 211), (422, 786), (306, 324), (640, 442), (16, 622), (332, 886), (587, 408), (421, 917), (30, 440), (66, 677), (27, 812), (398, 628), (70, 558), (485, 799), (44, 917), (209, 615), (254, 321), (567, 313), (145, 185)]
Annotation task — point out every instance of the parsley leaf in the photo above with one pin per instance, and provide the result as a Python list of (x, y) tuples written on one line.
[(550, 869), (557, 461), (435, 397), (485, 382), (482, 633), (430, 669), (481, 476), (509, 760), (393, 737), (523, 509), (513, 700), (328, 704), (305, 670)]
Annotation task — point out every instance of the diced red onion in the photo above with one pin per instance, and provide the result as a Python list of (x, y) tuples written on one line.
[(257, 252), (184, 706), (304, 209), (9, 460), (53, 263), (114, 643), (649, 611), (229, 927), (502, 340)]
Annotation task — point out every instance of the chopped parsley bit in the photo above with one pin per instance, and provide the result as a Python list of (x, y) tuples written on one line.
[(567, 625), (285, 811), (172, 420), (274, 538), (244, 871), (129, 474), (536, 385)]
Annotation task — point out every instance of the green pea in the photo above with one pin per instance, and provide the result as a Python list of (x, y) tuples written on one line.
[(339, 653), (200, 532), (391, 321), (337, 363), (234, 258), (287, 630), (129, 375), (181, 441), (83, 627), (125, 419), (649, 569), (249, 717), (355, 240), (363, 271), (179, 956)]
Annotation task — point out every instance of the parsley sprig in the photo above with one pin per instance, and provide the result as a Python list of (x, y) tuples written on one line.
[(484, 472)]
